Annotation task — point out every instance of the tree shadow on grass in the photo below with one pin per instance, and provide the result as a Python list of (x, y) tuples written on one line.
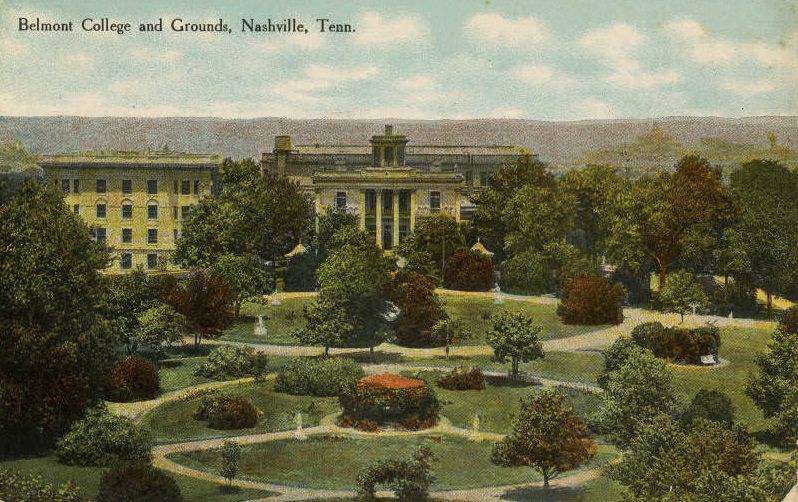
[(380, 357), (229, 490), (553, 494)]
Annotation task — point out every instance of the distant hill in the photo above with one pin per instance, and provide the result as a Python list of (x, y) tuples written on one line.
[(559, 142)]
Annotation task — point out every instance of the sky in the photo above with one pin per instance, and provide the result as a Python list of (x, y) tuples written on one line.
[(431, 59)]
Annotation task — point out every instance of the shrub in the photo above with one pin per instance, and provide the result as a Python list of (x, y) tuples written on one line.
[(367, 426), (300, 273), (410, 423), (101, 439), (677, 344), (591, 300), (789, 321), (318, 376), (463, 379), (228, 362), (711, 405), (16, 487), (468, 270), (131, 379), (227, 412), (409, 479), (527, 273), (736, 299), (681, 293), (389, 399), (140, 483)]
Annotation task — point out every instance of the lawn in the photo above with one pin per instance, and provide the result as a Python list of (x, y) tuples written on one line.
[(476, 312), (498, 402), (577, 367), (178, 374), (333, 463), (174, 421), (88, 479), (281, 320)]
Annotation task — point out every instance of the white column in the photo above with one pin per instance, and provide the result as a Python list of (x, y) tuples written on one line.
[(379, 217), (395, 200)]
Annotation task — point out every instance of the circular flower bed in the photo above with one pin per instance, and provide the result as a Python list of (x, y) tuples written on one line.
[(389, 400)]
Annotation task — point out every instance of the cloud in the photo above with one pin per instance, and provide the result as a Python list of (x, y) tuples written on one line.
[(374, 30), (617, 45), (594, 109), (685, 29), (144, 55), (310, 41), (748, 88), (419, 82), (320, 78), (498, 30), (541, 75)]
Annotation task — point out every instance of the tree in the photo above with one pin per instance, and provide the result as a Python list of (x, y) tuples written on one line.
[(710, 405), (468, 270), (765, 192), (245, 276), (681, 293), (228, 468), (330, 221), (679, 216), (638, 390), (489, 219), (126, 298), (437, 235), (204, 301), (547, 436), (615, 356), (666, 462), (354, 276), (159, 325), (449, 331), (535, 216), (591, 300), (54, 343), (772, 384), (534, 272), (256, 214), (515, 336), (327, 324), (143, 482), (419, 308)]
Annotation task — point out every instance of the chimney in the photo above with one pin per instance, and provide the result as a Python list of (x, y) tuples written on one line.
[(282, 148), (388, 130)]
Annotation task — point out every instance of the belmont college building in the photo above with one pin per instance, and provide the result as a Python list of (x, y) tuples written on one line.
[(137, 201)]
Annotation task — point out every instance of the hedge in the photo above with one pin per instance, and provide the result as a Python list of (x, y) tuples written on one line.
[(677, 344), (309, 376), (228, 362), (591, 300), (131, 379)]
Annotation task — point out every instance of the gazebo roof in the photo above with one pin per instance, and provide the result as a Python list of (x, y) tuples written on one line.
[(391, 381), (480, 248), (298, 249)]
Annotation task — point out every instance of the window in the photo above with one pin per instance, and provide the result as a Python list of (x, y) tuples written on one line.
[(127, 186), (152, 211), (76, 186), (152, 260), (175, 187), (101, 186), (484, 178), (152, 236), (435, 201), (340, 201), (65, 186), (101, 210), (196, 187), (127, 211), (100, 234), (126, 261), (152, 187), (185, 211), (127, 235), (388, 155), (174, 235), (174, 212), (76, 209), (184, 188)]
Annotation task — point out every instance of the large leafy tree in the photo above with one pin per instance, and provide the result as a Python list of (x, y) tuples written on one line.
[(205, 301), (681, 293), (126, 297), (766, 234), (54, 344), (535, 216), (772, 385), (516, 337), (666, 462), (636, 391), (489, 219), (327, 324), (158, 326), (547, 436), (354, 276), (436, 238), (257, 213), (679, 216), (246, 276)]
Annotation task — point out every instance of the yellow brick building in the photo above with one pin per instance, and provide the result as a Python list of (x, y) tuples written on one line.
[(134, 201)]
